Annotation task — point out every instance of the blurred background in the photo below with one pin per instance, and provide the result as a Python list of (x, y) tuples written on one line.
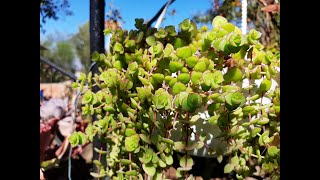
[(65, 53)]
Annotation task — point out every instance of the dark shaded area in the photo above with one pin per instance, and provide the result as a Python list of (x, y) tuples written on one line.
[(205, 167), (79, 170)]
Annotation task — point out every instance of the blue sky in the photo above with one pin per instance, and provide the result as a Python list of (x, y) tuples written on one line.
[(129, 9)]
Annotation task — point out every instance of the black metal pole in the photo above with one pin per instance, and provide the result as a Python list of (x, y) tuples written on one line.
[(97, 14)]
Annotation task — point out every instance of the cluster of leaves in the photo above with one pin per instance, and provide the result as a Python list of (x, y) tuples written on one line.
[(265, 21), (155, 80)]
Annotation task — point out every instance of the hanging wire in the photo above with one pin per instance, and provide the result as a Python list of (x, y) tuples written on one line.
[(75, 104), (155, 17), (162, 14), (244, 7)]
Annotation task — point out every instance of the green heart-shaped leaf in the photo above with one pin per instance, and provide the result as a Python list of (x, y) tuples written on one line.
[(146, 155), (130, 132), (161, 33), (218, 21), (179, 145), (178, 42), (192, 61), (149, 169), (228, 27), (186, 161), (234, 74), (218, 77), (194, 100), (195, 77), (74, 139), (262, 121), (184, 78), (118, 48), (200, 67), (214, 119), (208, 79), (234, 100), (235, 160), (169, 159), (171, 30), (145, 138), (186, 25), (178, 87), (175, 66), (273, 151), (162, 99), (265, 85), (87, 97), (220, 158), (184, 52), (132, 142), (158, 77), (228, 168), (168, 50), (151, 40)]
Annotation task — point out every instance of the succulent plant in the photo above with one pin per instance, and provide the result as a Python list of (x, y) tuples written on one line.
[(155, 80)]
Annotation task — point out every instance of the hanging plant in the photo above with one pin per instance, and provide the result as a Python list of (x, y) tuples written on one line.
[(157, 82)]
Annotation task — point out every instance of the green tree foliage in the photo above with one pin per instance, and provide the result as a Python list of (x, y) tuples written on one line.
[(81, 42), (63, 55), (60, 52), (50, 9), (156, 80)]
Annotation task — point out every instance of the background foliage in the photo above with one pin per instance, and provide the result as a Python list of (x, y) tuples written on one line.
[(263, 15)]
